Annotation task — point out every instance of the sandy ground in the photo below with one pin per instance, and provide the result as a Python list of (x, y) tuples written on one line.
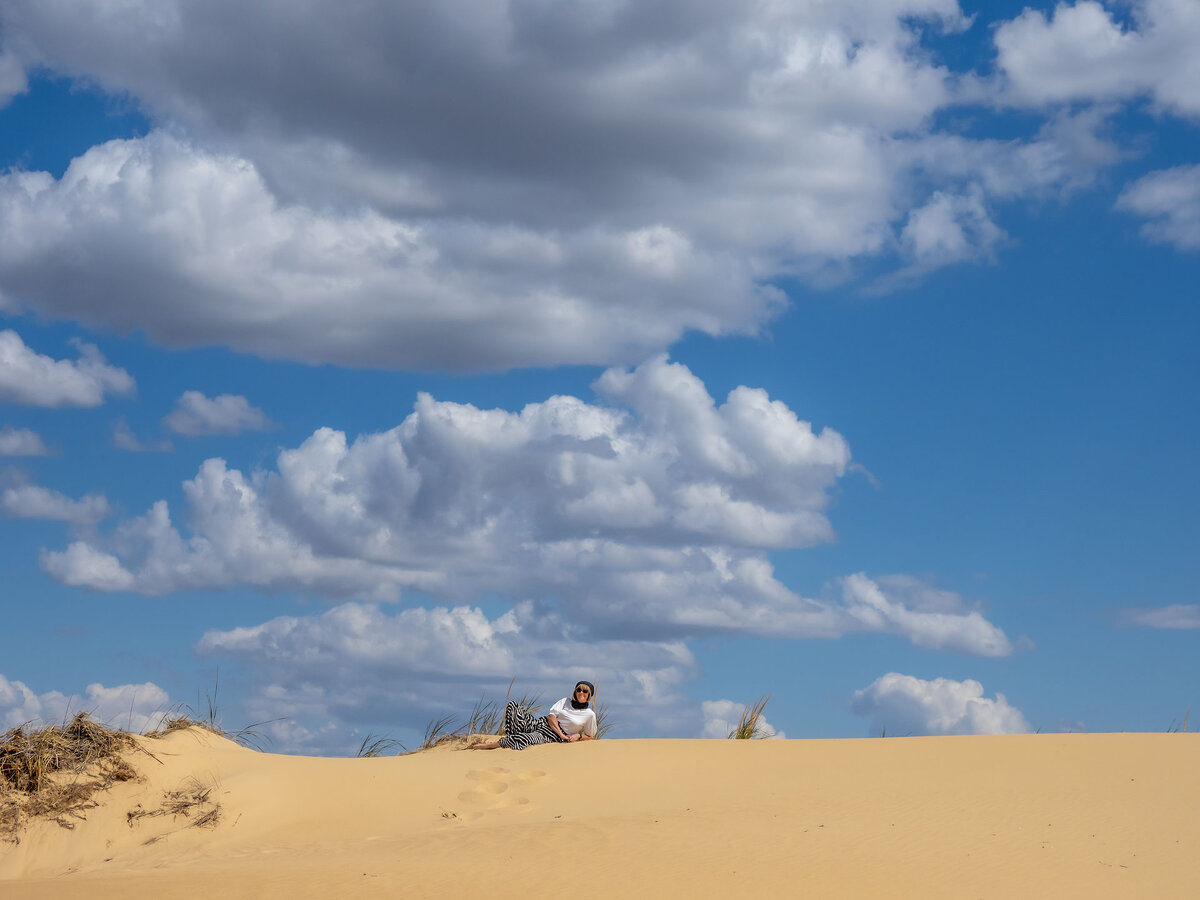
[(1114, 815)]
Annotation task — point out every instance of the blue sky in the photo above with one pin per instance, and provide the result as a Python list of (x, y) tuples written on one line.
[(836, 352)]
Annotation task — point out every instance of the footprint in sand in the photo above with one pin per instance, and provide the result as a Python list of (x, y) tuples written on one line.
[(490, 791)]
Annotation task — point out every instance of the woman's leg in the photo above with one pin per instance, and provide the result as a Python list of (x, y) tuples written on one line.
[(521, 730), (516, 720)]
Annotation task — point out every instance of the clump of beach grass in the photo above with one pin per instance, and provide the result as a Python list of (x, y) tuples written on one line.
[(208, 718), (750, 725), (485, 720), (604, 722), (374, 745), (53, 771)]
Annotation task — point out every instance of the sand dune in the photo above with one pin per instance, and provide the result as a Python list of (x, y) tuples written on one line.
[(1113, 815)]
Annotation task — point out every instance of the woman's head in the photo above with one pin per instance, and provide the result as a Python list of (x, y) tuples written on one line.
[(583, 693)]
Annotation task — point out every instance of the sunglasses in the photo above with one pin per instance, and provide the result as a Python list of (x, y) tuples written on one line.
[(584, 691)]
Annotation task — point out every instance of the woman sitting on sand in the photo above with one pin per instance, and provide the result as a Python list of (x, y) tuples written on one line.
[(571, 719)]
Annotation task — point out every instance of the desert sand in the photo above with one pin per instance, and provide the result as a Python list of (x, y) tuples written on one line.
[(1102, 815)]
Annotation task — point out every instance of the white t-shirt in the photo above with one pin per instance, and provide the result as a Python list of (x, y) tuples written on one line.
[(574, 721)]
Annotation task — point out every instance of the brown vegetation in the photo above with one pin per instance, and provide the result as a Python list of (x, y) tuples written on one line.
[(54, 772)]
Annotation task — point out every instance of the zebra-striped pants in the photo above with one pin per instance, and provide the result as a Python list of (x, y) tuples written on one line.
[(522, 730)]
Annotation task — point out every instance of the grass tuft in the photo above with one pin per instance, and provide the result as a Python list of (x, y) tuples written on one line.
[(53, 772), (750, 725), (183, 716), (485, 719), (379, 745), (1172, 728), (438, 731)]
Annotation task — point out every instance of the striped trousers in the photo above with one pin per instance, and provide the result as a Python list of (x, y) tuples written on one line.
[(522, 730)]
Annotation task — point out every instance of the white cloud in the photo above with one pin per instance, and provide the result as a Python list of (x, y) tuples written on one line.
[(196, 414), (950, 228), (1170, 199), (355, 288), (1081, 52), (31, 501), (931, 619), (721, 717), (650, 515), (131, 707), (1178, 615), (21, 442), (662, 468), (82, 565), (523, 185), (32, 379), (357, 664), (902, 704)]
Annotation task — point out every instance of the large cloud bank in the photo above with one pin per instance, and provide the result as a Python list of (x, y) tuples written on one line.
[(651, 514), (481, 185)]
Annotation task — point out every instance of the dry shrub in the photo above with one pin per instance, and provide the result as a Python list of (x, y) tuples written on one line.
[(53, 772)]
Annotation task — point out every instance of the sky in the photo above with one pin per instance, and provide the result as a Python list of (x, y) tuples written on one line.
[(357, 360)]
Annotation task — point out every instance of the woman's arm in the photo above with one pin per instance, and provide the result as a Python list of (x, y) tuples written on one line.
[(553, 720)]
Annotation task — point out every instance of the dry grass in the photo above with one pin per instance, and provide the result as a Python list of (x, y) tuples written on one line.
[(250, 736), (379, 745), (193, 801), (54, 772), (485, 720), (603, 723), (750, 725), (207, 715)]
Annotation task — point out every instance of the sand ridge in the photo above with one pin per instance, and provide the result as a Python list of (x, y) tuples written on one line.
[(999, 816)]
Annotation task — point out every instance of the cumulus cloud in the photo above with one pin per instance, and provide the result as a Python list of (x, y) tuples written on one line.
[(1081, 52), (901, 704), (29, 378), (477, 186), (31, 501), (21, 442), (950, 228), (721, 718), (196, 414), (1177, 615), (358, 664), (132, 707), (1170, 199), (659, 470), (648, 514), (355, 288)]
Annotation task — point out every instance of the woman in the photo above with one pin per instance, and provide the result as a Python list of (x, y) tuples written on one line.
[(571, 719)]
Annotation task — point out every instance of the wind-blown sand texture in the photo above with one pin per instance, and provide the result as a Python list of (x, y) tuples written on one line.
[(1101, 815)]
